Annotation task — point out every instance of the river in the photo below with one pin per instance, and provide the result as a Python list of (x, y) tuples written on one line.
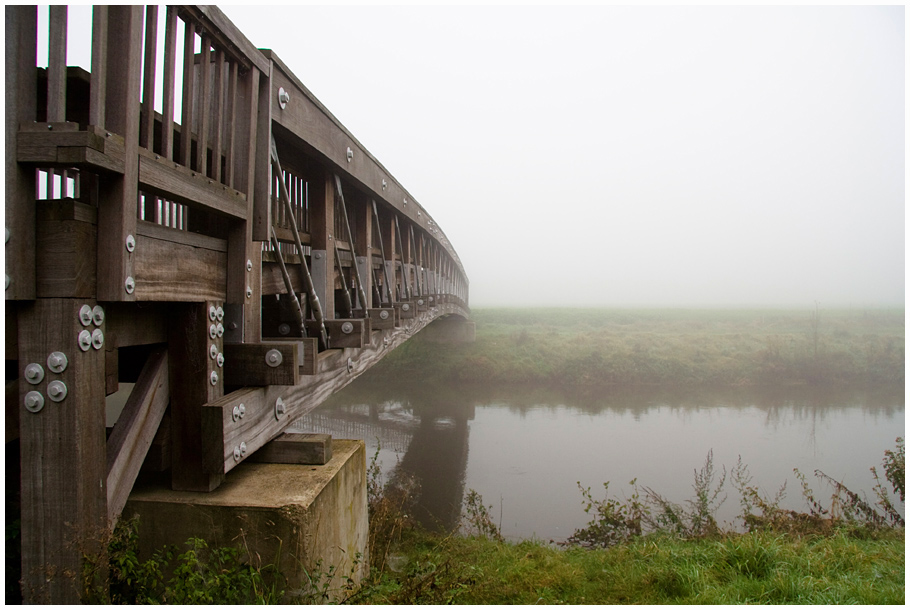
[(525, 449)]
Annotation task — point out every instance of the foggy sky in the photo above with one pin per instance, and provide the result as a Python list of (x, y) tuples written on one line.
[(630, 156)]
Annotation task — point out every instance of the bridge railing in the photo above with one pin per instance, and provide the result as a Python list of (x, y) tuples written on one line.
[(140, 206)]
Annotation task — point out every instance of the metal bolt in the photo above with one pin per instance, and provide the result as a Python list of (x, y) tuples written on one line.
[(130, 285), (212, 313), (249, 265), (57, 362), (85, 315), (213, 331), (34, 401), (219, 313), (280, 409), (420, 302), (130, 243), (220, 329), (283, 98), (220, 360), (242, 449), (98, 315), (273, 358), (49, 126), (249, 292), (284, 329), (318, 255), (213, 351), (406, 201), (56, 390), (236, 454), (405, 307), (383, 315), (350, 365), (347, 328), (97, 338), (214, 378), (34, 373), (385, 185), (385, 341), (235, 413), (350, 154), (85, 340)]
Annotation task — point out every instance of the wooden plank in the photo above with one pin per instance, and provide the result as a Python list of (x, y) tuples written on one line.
[(356, 338), (217, 114), (158, 457), (222, 434), (307, 352), (231, 112), (169, 271), (180, 184), (205, 93), (56, 64), (131, 324), (170, 69), (186, 238), (62, 448), (254, 153), (117, 198), (296, 448), (244, 254), (98, 89), (135, 429), (21, 106), (147, 128), (111, 371), (189, 83), (190, 369), (382, 318), (65, 256), (252, 364)]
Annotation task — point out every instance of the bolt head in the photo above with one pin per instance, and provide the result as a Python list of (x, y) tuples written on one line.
[(235, 413), (34, 373), (220, 360), (98, 315), (213, 378), (242, 410), (236, 454), (219, 313), (213, 331), (350, 365), (213, 351), (280, 409), (56, 390), (405, 307), (242, 449), (97, 338), (85, 340), (130, 243), (219, 330), (34, 401), (283, 98), (57, 362), (130, 285), (383, 315), (85, 315), (347, 328), (273, 358), (249, 292), (284, 329), (249, 265), (212, 313)]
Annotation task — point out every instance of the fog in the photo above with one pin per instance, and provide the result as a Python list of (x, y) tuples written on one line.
[(622, 156)]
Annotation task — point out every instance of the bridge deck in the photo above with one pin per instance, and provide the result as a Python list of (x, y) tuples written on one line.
[(234, 251)]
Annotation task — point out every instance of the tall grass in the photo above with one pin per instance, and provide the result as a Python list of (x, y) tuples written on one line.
[(596, 348)]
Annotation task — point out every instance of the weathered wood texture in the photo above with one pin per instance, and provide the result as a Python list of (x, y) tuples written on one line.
[(135, 430), (296, 448), (64, 502)]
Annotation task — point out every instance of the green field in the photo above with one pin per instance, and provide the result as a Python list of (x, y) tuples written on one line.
[(604, 347)]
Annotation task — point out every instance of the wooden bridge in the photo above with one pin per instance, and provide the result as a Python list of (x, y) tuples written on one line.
[(238, 256)]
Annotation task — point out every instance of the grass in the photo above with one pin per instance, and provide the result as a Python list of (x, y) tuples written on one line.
[(590, 348)]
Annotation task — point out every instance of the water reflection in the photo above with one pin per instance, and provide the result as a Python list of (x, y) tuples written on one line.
[(532, 444)]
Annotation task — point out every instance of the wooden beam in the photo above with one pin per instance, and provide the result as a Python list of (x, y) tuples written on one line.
[(180, 184), (256, 364), (296, 448), (62, 448), (21, 107), (118, 195), (56, 65), (65, 257), (167, 270), (190, 368), (135, 429)]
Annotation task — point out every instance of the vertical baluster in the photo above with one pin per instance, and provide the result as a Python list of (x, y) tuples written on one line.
[(170, 68), (231, 118), (186, 129), (205, 60), (96, 108), (56, 65), (218, 114), (147, 128)]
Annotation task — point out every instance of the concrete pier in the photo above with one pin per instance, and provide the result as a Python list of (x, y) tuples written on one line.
[(286, 514)]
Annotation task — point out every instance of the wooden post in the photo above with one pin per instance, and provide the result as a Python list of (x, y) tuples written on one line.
[(243, 278), (362, 250), (170, 69), (190, 368), (321, 186), (64, 501), (56, 65), (21, 106), (147, 130), (119, 195)]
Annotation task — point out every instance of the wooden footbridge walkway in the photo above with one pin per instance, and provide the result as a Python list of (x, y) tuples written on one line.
[(238, 256)]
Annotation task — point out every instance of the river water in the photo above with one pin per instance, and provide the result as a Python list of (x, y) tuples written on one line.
[(524, 450)]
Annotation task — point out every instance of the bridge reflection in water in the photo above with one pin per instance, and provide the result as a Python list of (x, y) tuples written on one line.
[(422, 431)]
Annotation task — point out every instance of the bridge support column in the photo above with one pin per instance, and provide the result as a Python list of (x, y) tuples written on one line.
[(62, 436), (289, 514)]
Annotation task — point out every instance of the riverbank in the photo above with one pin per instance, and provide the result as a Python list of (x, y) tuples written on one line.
[(595, 348)]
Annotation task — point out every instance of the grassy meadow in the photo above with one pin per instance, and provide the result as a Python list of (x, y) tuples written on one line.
[(602, 347)]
